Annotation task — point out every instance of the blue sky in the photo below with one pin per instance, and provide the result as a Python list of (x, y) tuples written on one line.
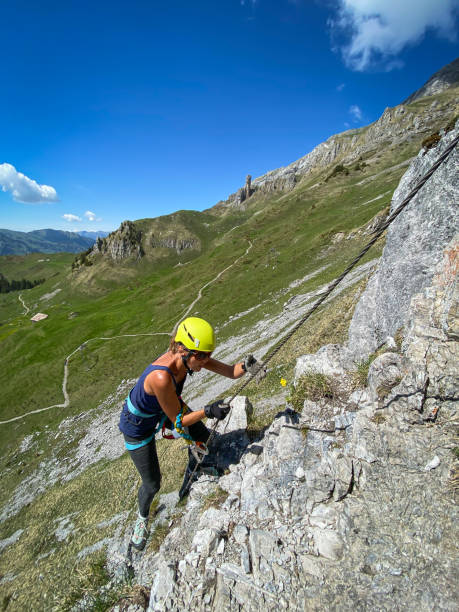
[(115, 110)]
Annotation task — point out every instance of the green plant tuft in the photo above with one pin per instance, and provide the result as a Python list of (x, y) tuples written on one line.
[(215, 499), (312, 386), (360, 375)]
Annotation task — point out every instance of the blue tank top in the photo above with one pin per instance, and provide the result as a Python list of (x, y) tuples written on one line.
[(137, 426)]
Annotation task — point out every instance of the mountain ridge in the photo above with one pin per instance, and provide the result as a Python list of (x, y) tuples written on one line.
[(402, 128), (42, 241), (295, 532), (442, 79)]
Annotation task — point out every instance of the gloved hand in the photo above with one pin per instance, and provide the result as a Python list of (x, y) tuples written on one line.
[(251, 365), (217, 410)]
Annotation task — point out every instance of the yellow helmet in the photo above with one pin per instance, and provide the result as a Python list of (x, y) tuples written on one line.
[(196, 334)]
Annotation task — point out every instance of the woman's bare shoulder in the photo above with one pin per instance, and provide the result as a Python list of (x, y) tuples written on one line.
[(158, 379)]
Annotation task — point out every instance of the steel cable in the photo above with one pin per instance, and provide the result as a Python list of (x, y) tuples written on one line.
[(337, 281)]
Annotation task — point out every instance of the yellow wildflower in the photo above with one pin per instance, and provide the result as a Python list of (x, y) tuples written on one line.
[(283, 382)]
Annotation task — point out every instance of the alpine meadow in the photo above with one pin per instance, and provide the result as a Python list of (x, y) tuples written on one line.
[(253, 264)]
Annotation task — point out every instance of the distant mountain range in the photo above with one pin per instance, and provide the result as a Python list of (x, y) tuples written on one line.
[(94, 235), (46, 241)]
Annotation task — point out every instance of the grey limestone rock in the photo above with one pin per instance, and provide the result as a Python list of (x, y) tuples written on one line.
[(441, 80), (332, 359), (359, 516), (414, 246), (430, 345), (396, 125), (384, 374), (124, 242), (12, 539)]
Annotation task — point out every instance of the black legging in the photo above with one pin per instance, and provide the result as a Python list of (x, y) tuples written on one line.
[(146, 461)]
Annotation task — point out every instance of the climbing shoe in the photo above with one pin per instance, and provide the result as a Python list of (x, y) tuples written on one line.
[(139, 537)]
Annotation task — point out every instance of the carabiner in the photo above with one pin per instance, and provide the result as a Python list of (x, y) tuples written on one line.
[(199, 450)]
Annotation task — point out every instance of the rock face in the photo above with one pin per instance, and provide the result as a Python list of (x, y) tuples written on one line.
[(350, 503), (243, 193), (344, 506), (174, 242), (414, 246), (441, 80), (124, 242), (129, 241)]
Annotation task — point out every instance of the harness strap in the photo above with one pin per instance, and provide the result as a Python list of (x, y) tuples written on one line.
[(140, 443), (132, 409), (134, 446), (182, 431)]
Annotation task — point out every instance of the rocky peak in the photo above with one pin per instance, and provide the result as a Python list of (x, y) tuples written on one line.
[(447, 77), (237, 199), (122, 243)]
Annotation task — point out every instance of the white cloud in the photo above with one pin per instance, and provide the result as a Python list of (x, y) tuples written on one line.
[(341, 87), (377, 30), (356, 112), (23, 188), (90, 216), (71, 218)]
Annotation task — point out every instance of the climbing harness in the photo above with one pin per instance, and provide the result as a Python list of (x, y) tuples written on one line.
[(135, 411), (336, 282)]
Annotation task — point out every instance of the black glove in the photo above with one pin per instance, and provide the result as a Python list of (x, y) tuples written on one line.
[(217, 410), (251, 365)]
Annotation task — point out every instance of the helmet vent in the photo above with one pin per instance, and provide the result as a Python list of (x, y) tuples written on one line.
[(196, 341)]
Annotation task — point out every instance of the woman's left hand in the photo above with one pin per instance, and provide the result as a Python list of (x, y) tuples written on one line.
[(217, 410)]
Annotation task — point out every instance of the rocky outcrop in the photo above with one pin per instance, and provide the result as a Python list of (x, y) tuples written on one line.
[(414, 245), (174, 242), (447, 77), (396, 125), (431, 346), (125, 242), (242, 194), (341, 506)]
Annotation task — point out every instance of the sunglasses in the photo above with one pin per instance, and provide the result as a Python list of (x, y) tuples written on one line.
[(200, 355)]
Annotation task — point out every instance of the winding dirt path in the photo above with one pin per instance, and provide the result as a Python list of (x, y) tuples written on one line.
[(211, 282), (66, 402), (26, 308)]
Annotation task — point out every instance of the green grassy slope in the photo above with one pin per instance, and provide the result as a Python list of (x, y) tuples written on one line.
[(292, 235), (289, 233)]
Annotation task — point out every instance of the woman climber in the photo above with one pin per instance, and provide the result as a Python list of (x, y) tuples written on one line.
[(154, 403)]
